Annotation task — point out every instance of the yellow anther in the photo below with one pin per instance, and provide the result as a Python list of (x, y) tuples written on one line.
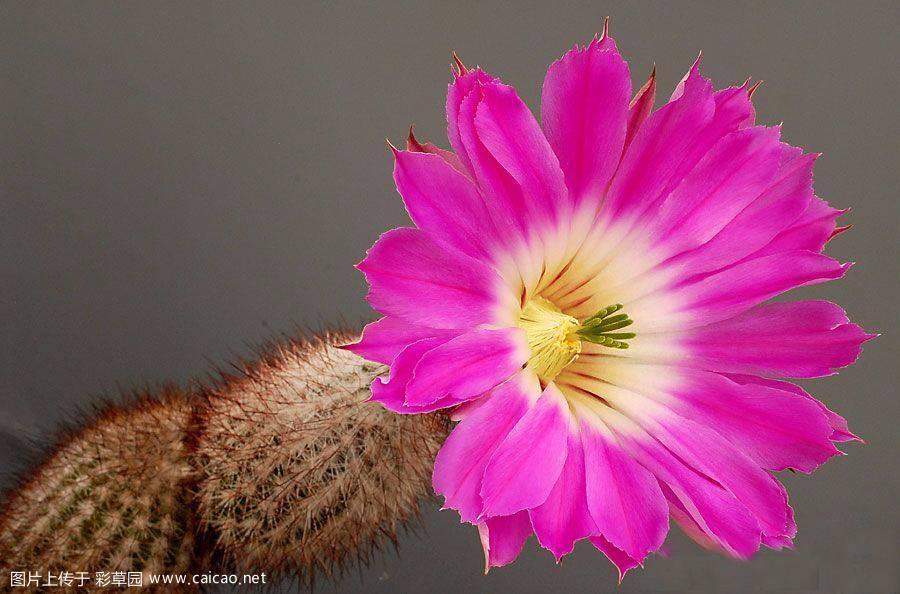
[(551, 337)]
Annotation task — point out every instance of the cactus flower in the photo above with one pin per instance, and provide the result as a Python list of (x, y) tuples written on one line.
[(589, 297)]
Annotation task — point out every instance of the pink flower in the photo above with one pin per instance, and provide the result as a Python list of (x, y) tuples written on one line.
[(588, 296)]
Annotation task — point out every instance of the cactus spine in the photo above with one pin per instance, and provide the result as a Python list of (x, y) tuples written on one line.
[(299, 474), (285, 468), (112, 496)]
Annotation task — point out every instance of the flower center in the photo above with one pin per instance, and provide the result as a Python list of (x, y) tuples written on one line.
[(552, 337), (555, 338)]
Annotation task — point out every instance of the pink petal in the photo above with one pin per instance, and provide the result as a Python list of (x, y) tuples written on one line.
[(564, 519), (796, 339), (732, 110), (811, 231), (688, 525), (738, 169), (456, 93), (734, 290), (445, 204), (624, 499), (715, 511), (506, 203), (708, 453), (584, 107), (413, 145), (640, 107), (777, 429), (503, 537), (840, 430), (467, 366), (460, 463), (672, 141), (383, 340), (735, 101), (507, 128), (525, 467), (757, 225), (651, 165), (619, 558), (413, 278), (504, 198), (391, 392)]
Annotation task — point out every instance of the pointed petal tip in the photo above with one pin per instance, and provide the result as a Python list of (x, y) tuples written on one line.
[(696, 64), (412, 143), (753, 89), (605, 33), (457, 67), (839, 230), (622, 574), (484, 537), (394, 149)]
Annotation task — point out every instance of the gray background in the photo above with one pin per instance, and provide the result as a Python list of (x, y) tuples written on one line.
[(183, 180)]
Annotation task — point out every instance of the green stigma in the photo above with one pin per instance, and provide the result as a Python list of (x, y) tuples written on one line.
[(601, 328)]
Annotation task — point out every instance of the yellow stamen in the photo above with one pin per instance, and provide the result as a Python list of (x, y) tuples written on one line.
[(551, 337)]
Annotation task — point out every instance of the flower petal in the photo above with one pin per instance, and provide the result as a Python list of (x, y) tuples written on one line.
[(383, 340), (525, 467), (445, 204), (510, 133), (619, 558), (708, 453), (714, 510), (732, 291), (624, 499), (413, 145), (503, 537), (793, 339), (758, 224), (460, 463), (467, 366), (811, 231), (729, 178), (681, 516), (391, 392), (738, 169), (457, 92), (584, 109), (672, 141), (777, 429), (839, 429), (564, 519), (657, 151), (505, 200), (415, 279), (640, 107)]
